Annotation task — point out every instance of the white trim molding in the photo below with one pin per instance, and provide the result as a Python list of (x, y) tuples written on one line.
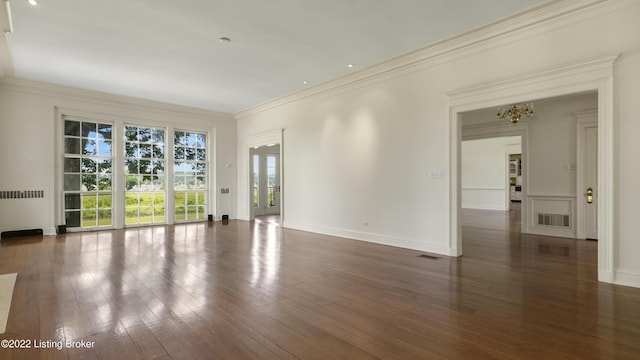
[(627, 278), (406, 243), (245, 211), (590, 75)]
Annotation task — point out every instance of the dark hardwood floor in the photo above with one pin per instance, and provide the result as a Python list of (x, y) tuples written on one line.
[(251, 290)]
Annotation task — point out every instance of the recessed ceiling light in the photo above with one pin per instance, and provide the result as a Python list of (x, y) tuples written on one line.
[(33, 2), (225, 39), (350, 66), (305, 82)]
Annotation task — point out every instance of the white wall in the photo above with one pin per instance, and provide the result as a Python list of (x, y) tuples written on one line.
[(28, 151), (362, 147), (485, 172)]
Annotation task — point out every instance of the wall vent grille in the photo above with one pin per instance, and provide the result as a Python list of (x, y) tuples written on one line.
[(22, 194), (557, 220)]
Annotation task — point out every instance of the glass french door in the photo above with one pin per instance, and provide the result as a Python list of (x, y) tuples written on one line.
[(88, 158), (266, 183), (144, 175)]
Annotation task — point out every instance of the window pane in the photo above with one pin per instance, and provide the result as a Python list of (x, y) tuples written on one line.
[(131, 199), (201, 198), (104, 183), (178, 138), (89, 201), (190, 154), (179, 153), (72, 219), (104, 201), (71, 128), (89, 130), (146, 199), (89, 182), (104, 131), (201, 155), (144, 134), (157, 136), (131, 149), (131, 166), (104, 166), (191, 181), (72, 165), (130, 181), (146, 215), (145, 166), (131, 133), (191, 139), (145, 151), (158, 167), (71, 146), (89, 165), (158, 199), (72, 201), (71, 182), (104, 148), (200, 183), (104, 217), (179, 199), (158, 151), (131, 216), (158, 214), (89, 147), (180, 213), (89, 218), (202, 140), (158, 183), (191, 213)]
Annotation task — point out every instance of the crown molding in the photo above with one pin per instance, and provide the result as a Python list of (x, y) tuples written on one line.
[(514, 27), (6, 27), (97, 97)]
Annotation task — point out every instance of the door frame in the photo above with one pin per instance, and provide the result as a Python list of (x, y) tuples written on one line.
[(592, 75), (584, 119), (245, 200)]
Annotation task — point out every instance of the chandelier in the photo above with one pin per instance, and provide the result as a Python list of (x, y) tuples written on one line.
[(513, 113)]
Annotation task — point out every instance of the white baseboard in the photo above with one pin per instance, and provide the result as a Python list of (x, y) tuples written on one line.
[(483, 207), (427, 246), (627, 278)]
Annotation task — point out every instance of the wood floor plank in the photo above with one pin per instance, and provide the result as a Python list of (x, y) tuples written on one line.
[(253, 290)]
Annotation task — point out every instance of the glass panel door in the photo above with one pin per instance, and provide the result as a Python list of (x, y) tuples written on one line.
[(88, 159), (265, 170), (273, 185), (144, 175), (190, 173)]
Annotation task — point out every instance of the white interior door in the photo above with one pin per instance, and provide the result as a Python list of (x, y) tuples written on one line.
[(590, 197)]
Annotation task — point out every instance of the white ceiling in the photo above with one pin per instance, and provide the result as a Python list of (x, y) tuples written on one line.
[(169, 50)]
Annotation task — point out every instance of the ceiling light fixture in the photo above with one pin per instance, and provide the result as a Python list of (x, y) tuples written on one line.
[(350, 66), (514, 112), (305, 82), (225, 39), (33, 2)]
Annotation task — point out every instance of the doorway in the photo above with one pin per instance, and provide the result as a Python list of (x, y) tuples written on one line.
[(265, 180), (592, 75)]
